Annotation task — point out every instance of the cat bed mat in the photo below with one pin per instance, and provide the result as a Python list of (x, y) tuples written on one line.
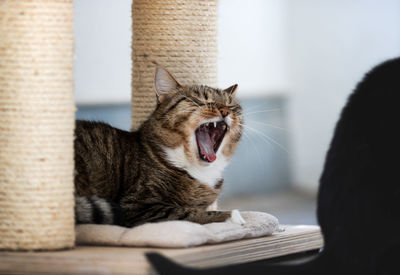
[(176, 234)]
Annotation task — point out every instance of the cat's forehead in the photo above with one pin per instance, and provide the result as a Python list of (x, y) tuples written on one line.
[(207, 93)]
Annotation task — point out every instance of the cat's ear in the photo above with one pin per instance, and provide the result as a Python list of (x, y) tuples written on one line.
[(231, 90), (165, 83)]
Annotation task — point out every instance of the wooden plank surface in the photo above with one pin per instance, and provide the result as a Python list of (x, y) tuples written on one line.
[(131, 260)]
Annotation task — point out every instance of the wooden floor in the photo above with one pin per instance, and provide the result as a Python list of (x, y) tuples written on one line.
[(131, 260)]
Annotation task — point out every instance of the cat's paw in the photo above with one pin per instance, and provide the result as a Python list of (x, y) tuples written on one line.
[(236, 217)]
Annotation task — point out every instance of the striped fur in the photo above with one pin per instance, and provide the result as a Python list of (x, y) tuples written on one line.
[(160, 171), (97, 210)]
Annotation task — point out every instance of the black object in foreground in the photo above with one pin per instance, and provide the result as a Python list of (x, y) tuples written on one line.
[(358, 200)]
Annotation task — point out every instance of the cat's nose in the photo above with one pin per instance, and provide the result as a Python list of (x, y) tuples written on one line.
[(224, 112)]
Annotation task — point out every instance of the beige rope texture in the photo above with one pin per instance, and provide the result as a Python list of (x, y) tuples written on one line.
[(36, 124), (180, 35)]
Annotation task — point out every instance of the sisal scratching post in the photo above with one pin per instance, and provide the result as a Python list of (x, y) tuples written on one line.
[(36, 124), (180, 35)]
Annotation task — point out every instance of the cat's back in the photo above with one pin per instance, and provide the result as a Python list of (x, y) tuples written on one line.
[(93, 138), (100, 152)]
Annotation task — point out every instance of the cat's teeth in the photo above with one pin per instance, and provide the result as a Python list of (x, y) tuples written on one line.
[(215, 124)]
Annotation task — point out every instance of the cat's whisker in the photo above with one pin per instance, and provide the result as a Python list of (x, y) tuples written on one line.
[(251, 141), (253, 145), (265, 137), (270, 125), (255, 107), (263, 111)]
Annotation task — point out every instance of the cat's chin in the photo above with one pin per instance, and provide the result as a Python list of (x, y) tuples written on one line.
[(209, 137)]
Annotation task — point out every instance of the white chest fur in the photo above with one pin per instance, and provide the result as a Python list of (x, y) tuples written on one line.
[(208, 173)]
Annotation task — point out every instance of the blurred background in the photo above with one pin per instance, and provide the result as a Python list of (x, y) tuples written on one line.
[(295, 62)]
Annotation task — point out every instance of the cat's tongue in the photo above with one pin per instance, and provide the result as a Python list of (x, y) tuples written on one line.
[(206, 145)]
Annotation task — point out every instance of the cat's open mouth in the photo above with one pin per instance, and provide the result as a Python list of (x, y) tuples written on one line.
[(209, 137)]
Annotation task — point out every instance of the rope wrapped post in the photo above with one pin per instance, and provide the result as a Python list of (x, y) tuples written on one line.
[(180, 35), (36, 124)]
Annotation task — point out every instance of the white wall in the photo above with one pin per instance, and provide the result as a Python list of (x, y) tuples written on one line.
[(102, 51), (252, 47), (331, 45)]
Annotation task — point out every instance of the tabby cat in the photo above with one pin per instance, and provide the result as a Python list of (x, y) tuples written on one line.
[(359, 193), (170, 169)]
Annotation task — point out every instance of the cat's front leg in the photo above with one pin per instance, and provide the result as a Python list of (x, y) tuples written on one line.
[(136, 214), (202, 216), (235, 214)]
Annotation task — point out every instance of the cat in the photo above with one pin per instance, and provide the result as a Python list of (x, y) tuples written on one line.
[(169, 169), (358, 205)]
